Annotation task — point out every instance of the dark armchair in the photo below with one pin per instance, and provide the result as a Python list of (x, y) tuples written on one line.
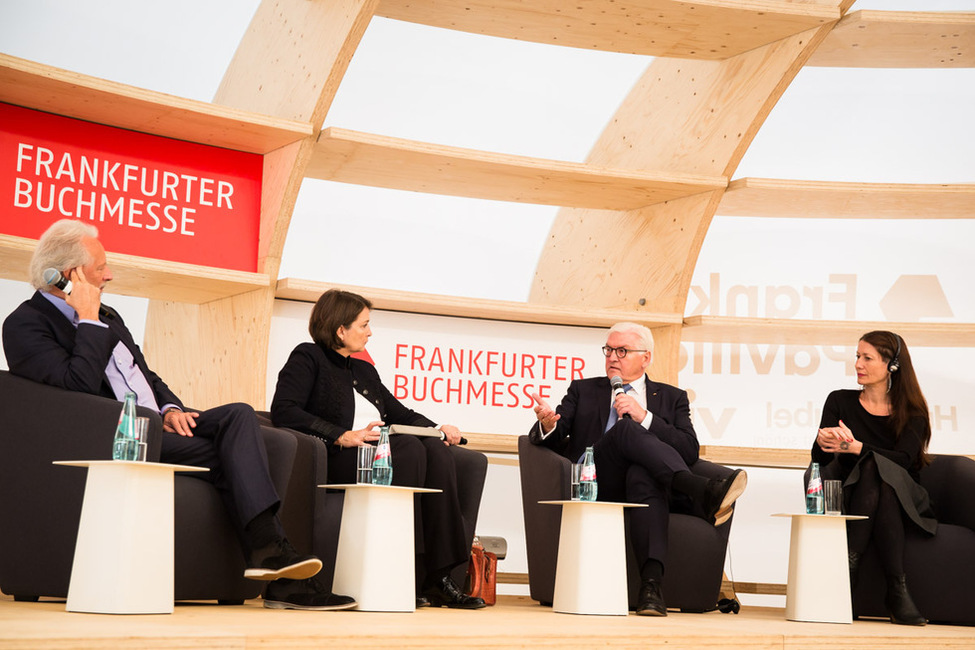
[(696, 555), (313, 515), (940, 570), (40, 503)]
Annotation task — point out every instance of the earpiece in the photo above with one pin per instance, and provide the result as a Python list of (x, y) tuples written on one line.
[(894, 364)]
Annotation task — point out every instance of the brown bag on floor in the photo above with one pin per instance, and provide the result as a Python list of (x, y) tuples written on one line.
[(482, 574)]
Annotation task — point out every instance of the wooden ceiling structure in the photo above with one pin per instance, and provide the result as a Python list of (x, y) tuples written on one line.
[(632, 217)]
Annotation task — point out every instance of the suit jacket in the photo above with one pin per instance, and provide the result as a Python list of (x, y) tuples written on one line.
[(585, 408), (42, 345), (315, 394)]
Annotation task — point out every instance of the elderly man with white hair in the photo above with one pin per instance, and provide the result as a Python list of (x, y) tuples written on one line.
[(66, 337), (644, 443)]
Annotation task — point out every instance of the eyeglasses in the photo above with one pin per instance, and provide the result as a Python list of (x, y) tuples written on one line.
[(620, 352)]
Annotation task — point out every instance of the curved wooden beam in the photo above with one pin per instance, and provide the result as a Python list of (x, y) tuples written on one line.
[(708, 29), (695, 117), (288, 65)]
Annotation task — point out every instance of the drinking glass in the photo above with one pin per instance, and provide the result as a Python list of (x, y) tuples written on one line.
[(576, 475), (364, 457), (833, 492)]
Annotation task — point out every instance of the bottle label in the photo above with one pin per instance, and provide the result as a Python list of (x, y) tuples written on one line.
[(815, 486), (588, 473), (382, 451)]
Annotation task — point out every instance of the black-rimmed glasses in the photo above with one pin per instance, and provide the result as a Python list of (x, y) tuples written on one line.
[(620, 352)]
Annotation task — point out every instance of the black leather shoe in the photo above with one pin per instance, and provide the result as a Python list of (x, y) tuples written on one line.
[(279, 559), (899, 604), (304, 594), (422, 601), (720, 495), (651, 600), (446, 592)]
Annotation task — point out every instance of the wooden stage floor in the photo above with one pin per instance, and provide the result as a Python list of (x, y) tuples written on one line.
[(514, 622)]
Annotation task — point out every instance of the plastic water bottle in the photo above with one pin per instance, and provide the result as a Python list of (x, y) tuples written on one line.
[(382, 464), (587, 482), (814, 492), (126, 447)]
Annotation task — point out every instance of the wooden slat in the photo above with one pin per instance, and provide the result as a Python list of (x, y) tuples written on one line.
[(493, 442), (822, 332), (734, 456), (900, 39), (379, 161), (509, 578), (439, 305), (756, 457), (53, 90), (712, 29), (764, 588), (767, 197), (140, 276)]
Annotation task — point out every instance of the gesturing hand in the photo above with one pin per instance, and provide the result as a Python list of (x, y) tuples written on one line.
[(546, 414), (360, 437)]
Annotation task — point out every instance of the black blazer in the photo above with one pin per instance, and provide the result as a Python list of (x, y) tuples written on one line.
[(42, 345), (315, 395), (584, 412)]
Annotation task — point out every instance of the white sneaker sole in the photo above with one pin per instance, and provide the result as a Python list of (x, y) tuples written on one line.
[(298, 571)]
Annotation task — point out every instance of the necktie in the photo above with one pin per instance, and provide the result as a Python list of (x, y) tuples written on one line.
[(613, 415)]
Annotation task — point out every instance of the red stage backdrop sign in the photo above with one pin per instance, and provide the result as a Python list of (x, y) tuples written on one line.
[(148, 195)]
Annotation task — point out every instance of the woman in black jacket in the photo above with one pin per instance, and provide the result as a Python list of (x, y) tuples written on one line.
[(875, 440), (326, 392)]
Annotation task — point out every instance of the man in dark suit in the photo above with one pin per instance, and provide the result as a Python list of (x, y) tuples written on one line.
[(644, 443), (72, 341)]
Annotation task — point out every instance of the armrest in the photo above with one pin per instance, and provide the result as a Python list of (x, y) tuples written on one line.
[(299, 506), (950, 482), (545, 475), (40, 503)]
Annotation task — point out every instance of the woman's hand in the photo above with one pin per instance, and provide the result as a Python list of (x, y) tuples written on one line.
[(360, 437), (838, 440), (451, 434)]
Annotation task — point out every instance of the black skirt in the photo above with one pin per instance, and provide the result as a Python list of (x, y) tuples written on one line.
[(912, 496)]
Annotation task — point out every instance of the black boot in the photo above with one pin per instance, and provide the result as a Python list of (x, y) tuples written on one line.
[(854, 569), (899, 604)]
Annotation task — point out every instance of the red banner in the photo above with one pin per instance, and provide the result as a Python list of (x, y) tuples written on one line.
[(148, 195)]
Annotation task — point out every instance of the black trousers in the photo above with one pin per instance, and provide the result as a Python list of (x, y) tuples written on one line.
[(227, 440), (421, 461), (635, 466)]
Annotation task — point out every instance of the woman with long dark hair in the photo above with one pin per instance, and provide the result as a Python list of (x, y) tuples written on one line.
[(875, 441)]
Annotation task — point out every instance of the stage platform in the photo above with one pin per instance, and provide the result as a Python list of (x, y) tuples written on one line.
[(514, 622)]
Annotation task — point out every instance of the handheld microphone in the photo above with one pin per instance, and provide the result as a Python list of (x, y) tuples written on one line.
[(55, 278), (617, 383)]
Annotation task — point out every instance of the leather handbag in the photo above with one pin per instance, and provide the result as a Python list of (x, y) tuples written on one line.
[(482, 574)]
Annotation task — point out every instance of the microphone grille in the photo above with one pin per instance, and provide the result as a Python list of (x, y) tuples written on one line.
[(51, 276), (616, 381)]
